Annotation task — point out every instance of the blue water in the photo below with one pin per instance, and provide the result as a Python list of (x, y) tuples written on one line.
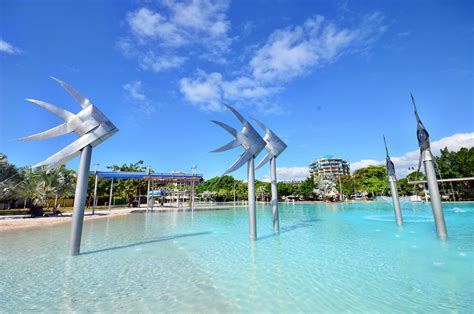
[(327, 258)]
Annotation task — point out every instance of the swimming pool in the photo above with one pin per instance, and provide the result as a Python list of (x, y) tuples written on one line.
[(328, 257)]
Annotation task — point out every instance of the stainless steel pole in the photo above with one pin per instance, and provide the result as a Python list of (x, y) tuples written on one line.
[(251, 199), (152, 196), (80, 200), (94, 203), (396, 202), (111, 193), (148, 191), (434, 194), (274, 182)]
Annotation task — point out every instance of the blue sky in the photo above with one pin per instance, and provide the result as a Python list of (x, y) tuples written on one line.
[(330, 77)]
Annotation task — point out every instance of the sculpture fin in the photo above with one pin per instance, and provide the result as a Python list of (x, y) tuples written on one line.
[(242, 160), (416, 111), (69, 152), (227, 146), (228, 128), (263, 126), (385, 142), (264, 161), (61, 113), (53, 132), (81, 100), (238, 115)]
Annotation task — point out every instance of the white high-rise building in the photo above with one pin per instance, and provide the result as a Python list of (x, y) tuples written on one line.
[(330, 165)]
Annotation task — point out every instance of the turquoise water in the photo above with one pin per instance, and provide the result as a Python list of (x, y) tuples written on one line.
[(327, 258)]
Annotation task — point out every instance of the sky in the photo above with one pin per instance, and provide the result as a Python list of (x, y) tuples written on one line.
[(328, 77)]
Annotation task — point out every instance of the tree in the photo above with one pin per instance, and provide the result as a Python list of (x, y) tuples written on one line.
[(306, 188), (372, 179), (347, 185), (9, 178), (127, 188)]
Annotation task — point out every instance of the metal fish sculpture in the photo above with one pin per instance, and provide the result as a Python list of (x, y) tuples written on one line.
[(248, 138), (389, 164), (274, 145), (90, 124)]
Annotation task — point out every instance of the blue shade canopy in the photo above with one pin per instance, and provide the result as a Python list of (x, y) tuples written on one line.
[(168, 176)]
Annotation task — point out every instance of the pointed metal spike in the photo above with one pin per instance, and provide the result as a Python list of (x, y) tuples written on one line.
[(238, 115), (385, 142), (263, 126), (53, 132), (240, 162), (61, 113), (264, 161), (414, 107), (70, 151), (81, 100), (228, 128), (230, 145)]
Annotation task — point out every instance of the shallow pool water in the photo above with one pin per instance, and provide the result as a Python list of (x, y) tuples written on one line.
[(327, 258)]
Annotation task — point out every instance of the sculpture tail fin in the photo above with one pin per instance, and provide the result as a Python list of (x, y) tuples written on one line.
[(61, 113), (264, 161), (243, 159), (228, 128), (53, 132), (81, 100), (230, 145)]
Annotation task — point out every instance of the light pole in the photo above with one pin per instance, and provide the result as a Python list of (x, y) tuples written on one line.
[(192, 189), (234, 192), (94, 203), (148, 190)]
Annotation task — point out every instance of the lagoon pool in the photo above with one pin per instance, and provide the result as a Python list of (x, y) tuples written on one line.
[(327, 258)]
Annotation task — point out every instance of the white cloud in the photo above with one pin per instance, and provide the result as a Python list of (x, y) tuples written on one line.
[(160, 38), (141, 103), (287, 174), (204, 91), (288, 53), (150, 61), (8, 48), (410, 159), (293, 51), (209, 91)]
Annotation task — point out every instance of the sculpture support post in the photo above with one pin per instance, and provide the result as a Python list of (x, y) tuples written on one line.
[(80, 200), (251, 198), (396, 202), (94, 202), (273, 175), (111, 196), (434, 194), (148, 191)]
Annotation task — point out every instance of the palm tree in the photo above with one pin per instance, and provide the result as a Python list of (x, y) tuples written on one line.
[(27, 187)]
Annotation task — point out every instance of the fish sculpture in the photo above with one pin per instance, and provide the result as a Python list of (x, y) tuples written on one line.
[(90, 124), (248, 138)]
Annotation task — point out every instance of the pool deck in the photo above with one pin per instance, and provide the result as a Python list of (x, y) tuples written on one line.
[(21, 222)]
